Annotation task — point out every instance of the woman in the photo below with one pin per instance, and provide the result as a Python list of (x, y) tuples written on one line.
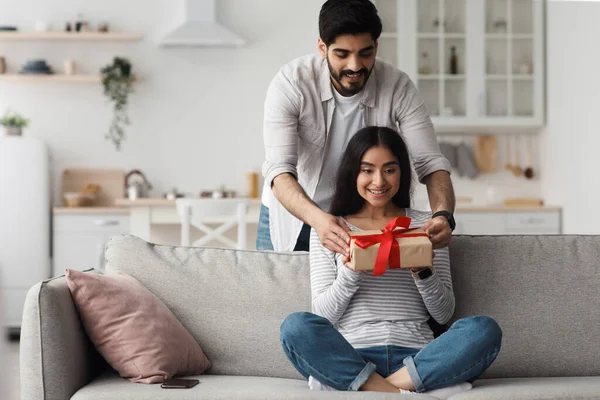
[(370, 332)]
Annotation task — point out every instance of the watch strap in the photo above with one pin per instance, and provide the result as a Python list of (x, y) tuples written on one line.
[(448, 216)]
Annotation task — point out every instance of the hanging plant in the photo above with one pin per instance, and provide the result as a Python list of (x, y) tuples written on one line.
[(117, 81)]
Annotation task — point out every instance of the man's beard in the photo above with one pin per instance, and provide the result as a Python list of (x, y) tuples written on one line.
[(355, 87)]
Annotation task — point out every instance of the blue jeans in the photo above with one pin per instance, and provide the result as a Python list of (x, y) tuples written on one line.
[(263, 235), (461, 354)]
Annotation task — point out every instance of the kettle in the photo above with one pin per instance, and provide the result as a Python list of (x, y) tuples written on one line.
[(137, 189)]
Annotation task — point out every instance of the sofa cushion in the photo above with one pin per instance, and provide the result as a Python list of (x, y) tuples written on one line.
[(132, 329), (533, 389), (233, 302), (222, 387), (542, 291)]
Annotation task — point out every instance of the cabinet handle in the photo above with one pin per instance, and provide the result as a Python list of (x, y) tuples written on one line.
[(532, 221), (106, 222)]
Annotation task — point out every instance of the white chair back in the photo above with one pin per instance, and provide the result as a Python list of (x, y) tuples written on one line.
[(227, 213)]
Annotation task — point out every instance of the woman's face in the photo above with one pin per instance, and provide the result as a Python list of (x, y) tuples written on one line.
[(379, 177)]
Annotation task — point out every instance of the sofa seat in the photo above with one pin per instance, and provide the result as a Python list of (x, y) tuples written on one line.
[(109, 386), (562, 388)]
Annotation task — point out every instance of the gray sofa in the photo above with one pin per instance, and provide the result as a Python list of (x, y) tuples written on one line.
[(542, 290)]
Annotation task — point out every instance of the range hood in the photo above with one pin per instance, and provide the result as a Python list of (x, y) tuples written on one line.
[(200, 28)]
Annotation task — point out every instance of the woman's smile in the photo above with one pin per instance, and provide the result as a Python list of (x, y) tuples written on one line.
[(378, 192)]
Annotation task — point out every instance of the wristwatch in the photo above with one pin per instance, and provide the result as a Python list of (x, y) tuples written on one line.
[(448, 216), (423, 274)]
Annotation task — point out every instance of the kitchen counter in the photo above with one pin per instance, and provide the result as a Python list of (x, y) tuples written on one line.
[(503, 208), (158, 201), (146, 212), (146, 202), (90, 210)]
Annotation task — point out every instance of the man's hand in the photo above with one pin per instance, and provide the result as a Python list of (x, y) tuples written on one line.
[(438, 230), (333, 233)]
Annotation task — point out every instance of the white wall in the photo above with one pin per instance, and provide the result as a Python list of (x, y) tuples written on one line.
[(197, 113), (572, 139)]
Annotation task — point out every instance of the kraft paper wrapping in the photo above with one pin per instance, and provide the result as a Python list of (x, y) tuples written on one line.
[(415, 252)]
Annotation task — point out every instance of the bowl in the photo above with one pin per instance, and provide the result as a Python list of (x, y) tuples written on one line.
[(76, 199)]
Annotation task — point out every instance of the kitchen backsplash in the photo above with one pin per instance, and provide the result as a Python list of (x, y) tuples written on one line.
[(493, 188)]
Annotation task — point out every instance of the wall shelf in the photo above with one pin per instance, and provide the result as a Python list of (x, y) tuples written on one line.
[(60, 78), (78, 36)]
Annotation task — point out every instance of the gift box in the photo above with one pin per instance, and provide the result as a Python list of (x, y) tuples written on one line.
[(396, 245)]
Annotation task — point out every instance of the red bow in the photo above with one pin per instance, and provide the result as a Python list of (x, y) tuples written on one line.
[(388, 249)]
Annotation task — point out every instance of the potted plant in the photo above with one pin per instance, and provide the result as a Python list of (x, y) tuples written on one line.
[(117, 81), (13, 123)]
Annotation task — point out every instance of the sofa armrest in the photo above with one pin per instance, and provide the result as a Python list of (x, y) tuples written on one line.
[(56, 356)]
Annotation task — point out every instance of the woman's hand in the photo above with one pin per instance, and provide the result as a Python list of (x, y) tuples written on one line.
[(346, 262)]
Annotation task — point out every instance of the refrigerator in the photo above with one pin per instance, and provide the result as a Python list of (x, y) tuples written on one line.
[(25, 215)]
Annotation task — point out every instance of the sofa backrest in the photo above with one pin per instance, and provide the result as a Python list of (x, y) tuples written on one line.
[(542, 290), (232, 301)]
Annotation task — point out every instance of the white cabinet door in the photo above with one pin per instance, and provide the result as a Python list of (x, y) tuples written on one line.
[(479, 223), (508, 223), (510, 53), (498, 45), (78, 251), (538, 223), (79, 240)]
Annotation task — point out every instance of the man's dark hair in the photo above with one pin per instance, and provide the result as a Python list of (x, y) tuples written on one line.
[(346, 199), (348, 17)]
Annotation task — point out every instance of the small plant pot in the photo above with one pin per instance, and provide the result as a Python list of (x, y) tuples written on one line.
[(13, 130)]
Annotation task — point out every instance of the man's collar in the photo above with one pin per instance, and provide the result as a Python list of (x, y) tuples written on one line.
[(324, 83), (325, 86)]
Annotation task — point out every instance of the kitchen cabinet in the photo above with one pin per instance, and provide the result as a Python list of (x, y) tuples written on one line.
[(504, 221), (479, 64), (79, 237)]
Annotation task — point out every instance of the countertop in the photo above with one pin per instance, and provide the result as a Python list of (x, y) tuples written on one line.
[(503, 208), (91, 210), (145, 202), (122, 207)]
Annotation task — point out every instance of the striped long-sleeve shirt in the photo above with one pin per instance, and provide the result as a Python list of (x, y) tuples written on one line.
[(390, 309)]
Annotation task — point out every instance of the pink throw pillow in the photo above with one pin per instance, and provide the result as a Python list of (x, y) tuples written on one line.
[(133, 329)]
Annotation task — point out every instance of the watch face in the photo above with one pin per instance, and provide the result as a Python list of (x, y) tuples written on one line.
[(426, 273)]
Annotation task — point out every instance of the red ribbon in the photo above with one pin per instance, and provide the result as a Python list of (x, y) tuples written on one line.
[(389, 248)]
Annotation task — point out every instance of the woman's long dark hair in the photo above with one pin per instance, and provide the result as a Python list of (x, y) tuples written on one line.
[(346, 199)]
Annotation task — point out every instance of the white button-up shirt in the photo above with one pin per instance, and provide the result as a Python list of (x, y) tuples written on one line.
[(298, 111)]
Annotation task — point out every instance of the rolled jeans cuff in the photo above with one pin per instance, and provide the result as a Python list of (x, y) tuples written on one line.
[(409, 363), (362, 377)]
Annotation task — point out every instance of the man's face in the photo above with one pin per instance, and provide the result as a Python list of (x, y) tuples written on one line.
[(350, 59)]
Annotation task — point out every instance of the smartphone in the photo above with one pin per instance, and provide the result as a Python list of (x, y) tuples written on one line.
[(179, 383)]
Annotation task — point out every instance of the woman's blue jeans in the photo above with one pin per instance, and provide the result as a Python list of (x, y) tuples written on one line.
[(461, 354)]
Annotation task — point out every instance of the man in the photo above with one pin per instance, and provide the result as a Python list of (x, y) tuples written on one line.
[(313, 106)]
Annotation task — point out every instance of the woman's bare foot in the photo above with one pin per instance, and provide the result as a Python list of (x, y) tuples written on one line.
[(401, 380), (377, 383)]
